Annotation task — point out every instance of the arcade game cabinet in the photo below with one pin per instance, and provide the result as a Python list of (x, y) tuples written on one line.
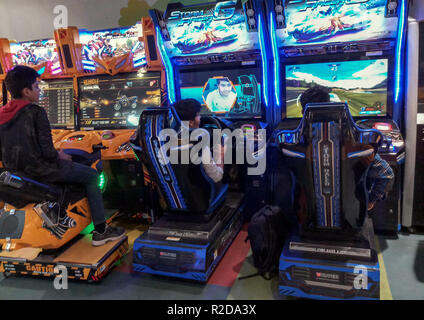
[(223, 44), (203, 47), (356, 50), (118, 75)]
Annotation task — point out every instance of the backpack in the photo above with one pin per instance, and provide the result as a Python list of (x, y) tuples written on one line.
[(267, 231)]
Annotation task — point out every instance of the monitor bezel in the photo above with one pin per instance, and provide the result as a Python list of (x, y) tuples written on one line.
[(222, 66), (109, 77), (340, 58)]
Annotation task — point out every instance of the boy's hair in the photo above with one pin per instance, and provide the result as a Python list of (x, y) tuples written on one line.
[(219, 80), (19, 78), (187, 109), (314, 94)]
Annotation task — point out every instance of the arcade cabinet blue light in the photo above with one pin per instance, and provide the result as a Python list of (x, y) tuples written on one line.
[(276, 57), (169, 70), (400, 50), (264, 62)]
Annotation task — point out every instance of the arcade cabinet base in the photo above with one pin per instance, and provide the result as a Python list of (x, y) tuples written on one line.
[(328, 271), (82, 260), (188, 250)]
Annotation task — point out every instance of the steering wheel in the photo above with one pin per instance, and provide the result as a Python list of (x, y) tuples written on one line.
[(209, 123)]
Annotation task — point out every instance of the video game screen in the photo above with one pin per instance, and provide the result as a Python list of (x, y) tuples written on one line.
[(36, 53), (362, 84), (108, 102), (318, 22), (211, 28), (57, 98), (229, 93), (111, 43)]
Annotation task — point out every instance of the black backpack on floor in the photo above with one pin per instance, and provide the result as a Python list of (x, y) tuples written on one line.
[(267, 232)]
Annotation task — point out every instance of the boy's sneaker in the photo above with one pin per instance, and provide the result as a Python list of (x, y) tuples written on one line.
[(110, 234)]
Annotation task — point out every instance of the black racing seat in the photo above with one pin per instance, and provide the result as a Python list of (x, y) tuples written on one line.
[(18, 191), (188, 192), (330, 157)]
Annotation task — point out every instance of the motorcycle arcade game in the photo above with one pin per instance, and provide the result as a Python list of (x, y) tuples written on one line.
[(42, 225), (118, 75), (198, 46), (355, 50)]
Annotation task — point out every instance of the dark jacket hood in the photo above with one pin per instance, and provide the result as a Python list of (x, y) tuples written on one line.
[(8, 111)]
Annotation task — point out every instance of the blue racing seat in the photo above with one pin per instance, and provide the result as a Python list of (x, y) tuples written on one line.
[(188, 192), (330, 157)]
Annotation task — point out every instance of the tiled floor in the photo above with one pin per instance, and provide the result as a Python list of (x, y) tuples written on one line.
[(402, 277)]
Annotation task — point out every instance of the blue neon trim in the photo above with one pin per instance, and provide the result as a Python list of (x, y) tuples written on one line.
[(399, 47), (168, 67), (276, 57), (264, 63)]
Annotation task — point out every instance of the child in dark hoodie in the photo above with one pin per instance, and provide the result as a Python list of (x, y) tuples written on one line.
[(26, 147)]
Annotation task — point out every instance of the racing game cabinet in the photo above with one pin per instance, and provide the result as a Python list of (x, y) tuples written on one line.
[(201, 218), (332, 253)]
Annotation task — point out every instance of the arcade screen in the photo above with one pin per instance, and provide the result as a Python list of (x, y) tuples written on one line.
[(318, 22), (57, 98), (361, 83), (116, 102), (230, 93), (35, 53), (210, 28), (112, 43)]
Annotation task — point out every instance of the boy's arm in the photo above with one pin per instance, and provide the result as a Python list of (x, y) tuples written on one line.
[(44, 135), (381, 176), (213, 170)]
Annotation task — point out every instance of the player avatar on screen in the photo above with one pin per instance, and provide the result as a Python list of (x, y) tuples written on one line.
[(219, 94)]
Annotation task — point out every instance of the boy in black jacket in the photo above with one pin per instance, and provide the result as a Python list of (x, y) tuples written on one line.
[(26, 146)]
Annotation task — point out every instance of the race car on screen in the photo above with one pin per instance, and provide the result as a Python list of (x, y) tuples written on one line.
[(204, 39)]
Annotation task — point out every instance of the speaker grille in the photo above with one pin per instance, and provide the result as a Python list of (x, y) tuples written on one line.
[(68, 58), (152, 48), (12, 226)]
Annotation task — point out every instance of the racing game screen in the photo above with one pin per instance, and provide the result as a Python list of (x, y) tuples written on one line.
[(57, 98), (116, 102), (361, 83), (232, 93), (209, 28), (317, 22)]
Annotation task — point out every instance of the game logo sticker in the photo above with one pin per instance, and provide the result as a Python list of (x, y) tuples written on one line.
[(362, 84), (35, 53), (213, 28), (112, 43), (326, 21)]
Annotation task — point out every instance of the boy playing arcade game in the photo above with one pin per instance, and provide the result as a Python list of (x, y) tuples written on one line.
[(380, 175), (189, 110), (26, 146)]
